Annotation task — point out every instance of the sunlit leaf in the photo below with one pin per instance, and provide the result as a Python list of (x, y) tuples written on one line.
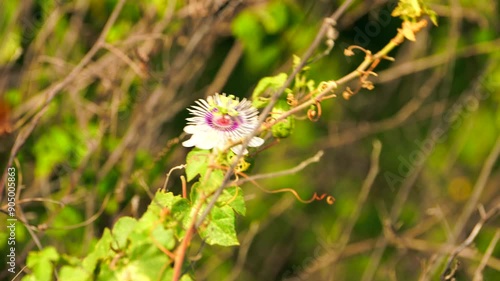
[(121, 230), (266, 87), (41, 264), (233, 197), (196, 163), (220, 229)]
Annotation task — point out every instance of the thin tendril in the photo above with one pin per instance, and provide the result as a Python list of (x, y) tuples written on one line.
[(329, 199)]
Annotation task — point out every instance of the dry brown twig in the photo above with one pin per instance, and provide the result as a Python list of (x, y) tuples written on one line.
[(403, 115), (332, 256), (57, 88), (314, 159), (449, 271), (478, 274), (435, 60), (243, 251), (473, 201), (478, 188)]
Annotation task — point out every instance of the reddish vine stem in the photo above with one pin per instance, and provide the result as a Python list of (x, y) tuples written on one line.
[(180, 253)]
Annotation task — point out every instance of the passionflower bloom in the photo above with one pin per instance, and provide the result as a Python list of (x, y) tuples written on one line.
[(220, 120)]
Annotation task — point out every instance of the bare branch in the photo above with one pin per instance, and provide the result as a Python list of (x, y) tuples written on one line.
[(293, 170), (332, 256), (478, 275), (470, 239)]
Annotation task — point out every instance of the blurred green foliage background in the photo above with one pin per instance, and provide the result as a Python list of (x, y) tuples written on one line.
[(110, 131)]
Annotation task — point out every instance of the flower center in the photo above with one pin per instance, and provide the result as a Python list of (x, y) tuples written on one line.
[(223, 122)]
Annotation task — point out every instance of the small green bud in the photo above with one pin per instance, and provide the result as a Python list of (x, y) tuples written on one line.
[(284, 128)]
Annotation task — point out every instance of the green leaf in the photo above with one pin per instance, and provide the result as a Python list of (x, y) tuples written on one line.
[(145, 268), (101, 251), (164, 237), (11, 46), (221, 228), (295, 61), (186, 278), (233, 197), (274, 18), (283, 128), (414, 9), (265, 89), (121, 231), (74, 274), (196, 163), (433, 16), (144, 256), (41, 264), (55, 146), (119, 31), (213, 182), (51, 149), (178, 207), (407, 8), (246, 27)]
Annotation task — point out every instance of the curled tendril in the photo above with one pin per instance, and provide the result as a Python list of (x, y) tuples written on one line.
[(347, 93), (326, 84), (314, 113), (269, 122), (363, 79), (367, 85), (324, 196), (291, 100), (350, 50), (329, 199)]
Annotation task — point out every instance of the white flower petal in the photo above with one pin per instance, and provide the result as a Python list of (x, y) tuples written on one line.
[(255, 142), (189, 143), (237, 148), (200, 141), (190, 129)]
